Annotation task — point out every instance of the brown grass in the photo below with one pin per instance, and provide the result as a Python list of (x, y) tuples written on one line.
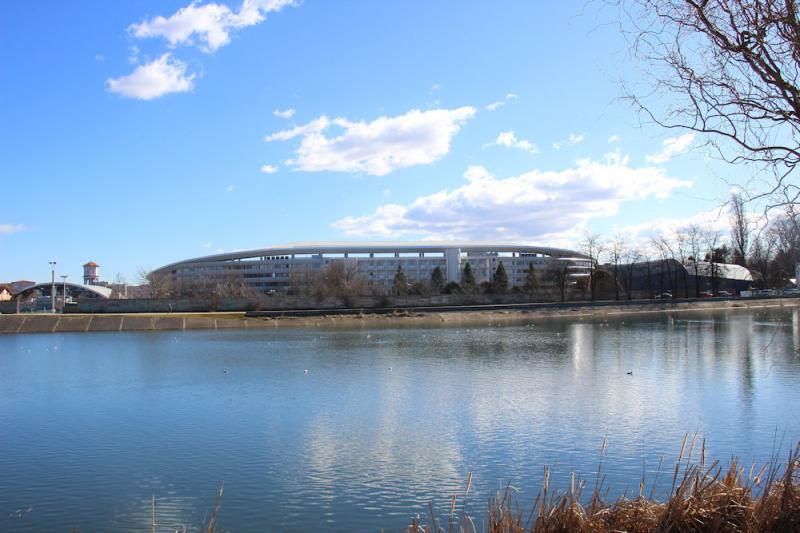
[(702, 498)]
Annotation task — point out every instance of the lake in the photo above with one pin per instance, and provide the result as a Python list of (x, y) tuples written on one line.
[(358, 429)]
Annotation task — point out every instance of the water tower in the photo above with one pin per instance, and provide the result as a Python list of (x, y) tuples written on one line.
[(91, 273)]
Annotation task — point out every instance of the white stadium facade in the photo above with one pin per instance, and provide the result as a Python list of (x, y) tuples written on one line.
[(281, 267)]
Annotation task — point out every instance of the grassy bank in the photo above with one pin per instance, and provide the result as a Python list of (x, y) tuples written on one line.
[(364, 318)]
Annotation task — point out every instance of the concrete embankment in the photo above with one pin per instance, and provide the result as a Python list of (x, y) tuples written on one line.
[(450, 316)]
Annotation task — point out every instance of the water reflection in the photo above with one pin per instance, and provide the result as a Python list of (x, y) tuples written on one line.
[(384, 420)]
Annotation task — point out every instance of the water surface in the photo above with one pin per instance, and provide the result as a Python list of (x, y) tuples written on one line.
[(384, 420)]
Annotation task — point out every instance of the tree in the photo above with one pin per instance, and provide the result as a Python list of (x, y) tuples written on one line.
[(558, 274), (452, 288), (161, 285), (531, 280), (616, 252), (632, 257), (592, 246), (500, 281), (711, 238), (468, 279), (761, 254), (400, 283), (728, 70), (338, 280), (691, 236), (740, 230), (119, 289), (437, 280)]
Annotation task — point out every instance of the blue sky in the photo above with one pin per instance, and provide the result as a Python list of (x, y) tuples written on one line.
[(136, 134)]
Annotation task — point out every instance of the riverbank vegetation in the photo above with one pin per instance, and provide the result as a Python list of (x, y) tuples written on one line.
[(702, 497)]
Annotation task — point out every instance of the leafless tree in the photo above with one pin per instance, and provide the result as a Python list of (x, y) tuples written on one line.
[(557, 273), (632, 257), (666, 253), (592, 246), (119, 287), (728, 70), (616, 252), (692, 238), (338, 280), (711, 240), (161, 285), (740, 229)]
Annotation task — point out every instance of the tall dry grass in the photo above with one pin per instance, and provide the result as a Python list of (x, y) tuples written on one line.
[(703, 498)]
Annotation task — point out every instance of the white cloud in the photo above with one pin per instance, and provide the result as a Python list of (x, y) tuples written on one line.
[(99, 58), (509, 139), (494, 106), (206, 245), (378, 147), (640, 236), (286, 113), (230, 188), (315, 126), (153, 80), (671, 147), (11, 228), (614, 138), (541, 206), (573, 139), (210, 24), (269, 169)]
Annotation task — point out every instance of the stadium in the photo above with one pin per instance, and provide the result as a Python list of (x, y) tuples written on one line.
[(280, 268)]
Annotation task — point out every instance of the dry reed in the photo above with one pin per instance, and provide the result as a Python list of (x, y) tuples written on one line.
[(702, 498)]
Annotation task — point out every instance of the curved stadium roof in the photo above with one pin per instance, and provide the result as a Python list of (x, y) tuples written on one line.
[(377, 247)]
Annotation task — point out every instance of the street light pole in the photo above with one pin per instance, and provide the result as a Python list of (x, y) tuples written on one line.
[(64, 292), (52, 286)]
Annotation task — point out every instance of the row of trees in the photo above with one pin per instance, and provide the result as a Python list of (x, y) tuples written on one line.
[(770, 250), (499, 283), (339, 280)]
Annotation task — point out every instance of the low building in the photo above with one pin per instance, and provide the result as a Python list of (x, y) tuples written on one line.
[(281, 268), (650, 278), (38, 295)]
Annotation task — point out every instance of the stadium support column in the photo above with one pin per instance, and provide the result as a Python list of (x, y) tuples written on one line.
[(453, 261)]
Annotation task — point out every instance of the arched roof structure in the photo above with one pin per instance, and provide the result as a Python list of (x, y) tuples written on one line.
[(402, 247), (97, 291)]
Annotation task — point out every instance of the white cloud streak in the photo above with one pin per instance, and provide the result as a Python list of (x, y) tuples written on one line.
[(153, 80), (671, 147), (509, 139), (573, 139), (207, 25), (378, 147), (269, 169), (494, 106), (285, 113), (6, 229), (539, 205)]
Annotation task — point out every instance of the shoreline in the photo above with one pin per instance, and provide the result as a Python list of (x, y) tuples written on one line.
[(84, 323)]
